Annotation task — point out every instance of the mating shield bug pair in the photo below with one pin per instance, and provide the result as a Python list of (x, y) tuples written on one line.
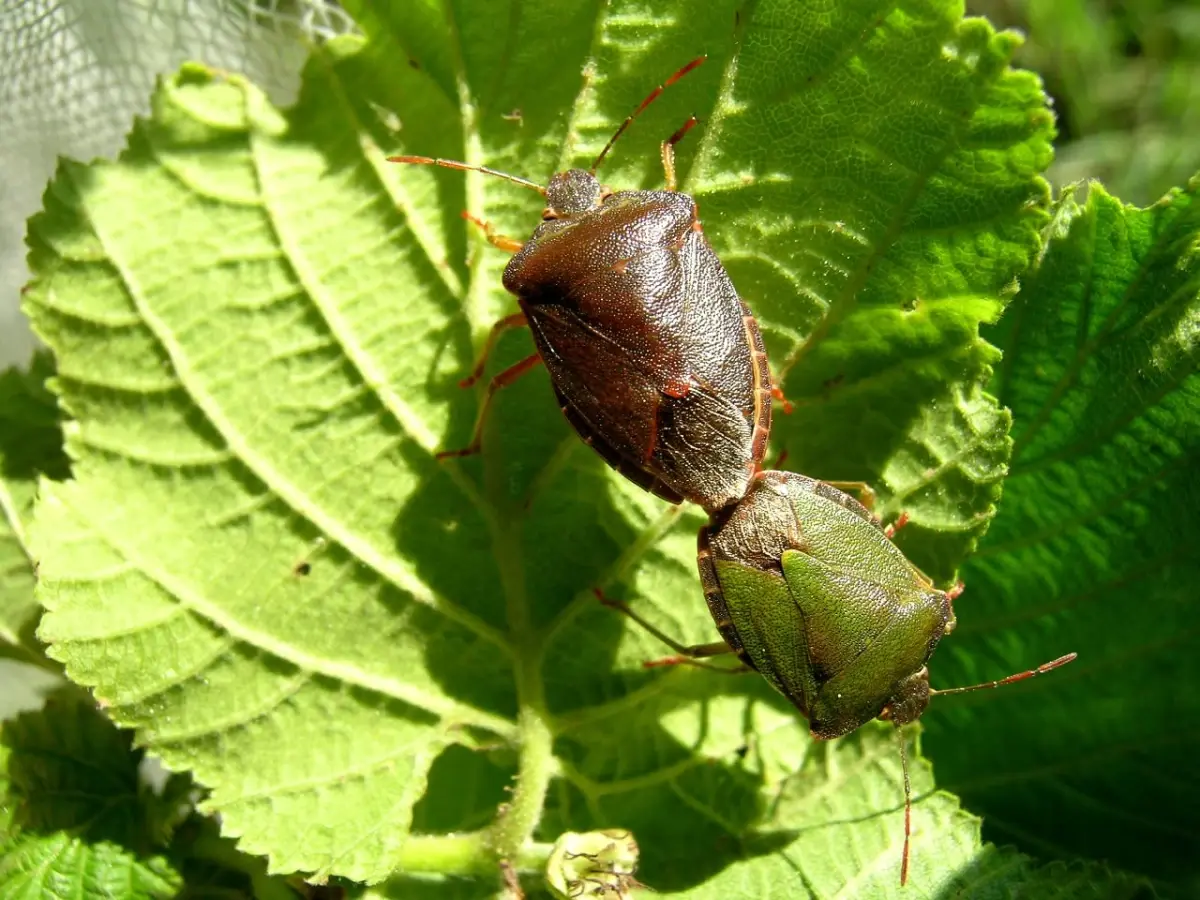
[(659, 365)]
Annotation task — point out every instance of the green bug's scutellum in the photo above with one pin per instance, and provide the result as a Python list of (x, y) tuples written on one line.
[(807, 588)]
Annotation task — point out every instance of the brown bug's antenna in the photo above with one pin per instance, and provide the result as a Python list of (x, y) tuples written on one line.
[(466, 167), (1020, 676), (650, 99)]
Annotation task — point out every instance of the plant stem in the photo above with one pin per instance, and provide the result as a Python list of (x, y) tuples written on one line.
[(464, 855), (518, 819)]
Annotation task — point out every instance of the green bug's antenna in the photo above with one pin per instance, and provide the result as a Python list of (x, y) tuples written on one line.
[(907, 809), (1020, 676)]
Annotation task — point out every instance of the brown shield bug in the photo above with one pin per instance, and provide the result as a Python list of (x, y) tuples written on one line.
[(806, 587), (654, 358)]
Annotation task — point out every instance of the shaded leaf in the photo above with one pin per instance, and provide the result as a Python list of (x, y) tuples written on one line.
[(72, 820), (1094, 551), (30, 445)]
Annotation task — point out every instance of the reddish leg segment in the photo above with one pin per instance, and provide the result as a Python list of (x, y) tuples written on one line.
[(512, 245), (691, 655), (516, 320), (668, 150), (901, 521), (866, 493), (777, 393), (504, 379)]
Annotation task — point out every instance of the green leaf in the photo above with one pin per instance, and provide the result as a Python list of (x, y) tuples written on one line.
[(30, 444), (259, 324), (72, 818), (1094, 551)]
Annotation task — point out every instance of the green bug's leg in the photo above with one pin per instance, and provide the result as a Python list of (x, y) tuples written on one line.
[(867, 497), (866, 493), (901, 521), (691, 655)]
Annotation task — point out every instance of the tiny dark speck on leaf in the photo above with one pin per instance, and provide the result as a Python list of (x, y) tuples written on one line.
[(303, 568), (416, 65)]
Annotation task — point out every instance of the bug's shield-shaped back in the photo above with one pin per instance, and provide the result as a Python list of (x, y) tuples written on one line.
[(770, 629), (862, 639)]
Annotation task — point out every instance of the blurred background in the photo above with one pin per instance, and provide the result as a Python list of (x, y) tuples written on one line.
[(1124, 76)]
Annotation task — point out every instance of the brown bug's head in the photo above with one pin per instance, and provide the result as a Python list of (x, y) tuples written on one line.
[(571, 192)]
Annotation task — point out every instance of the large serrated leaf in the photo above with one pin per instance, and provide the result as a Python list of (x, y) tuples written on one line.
[(258, 324), (1094, 551)]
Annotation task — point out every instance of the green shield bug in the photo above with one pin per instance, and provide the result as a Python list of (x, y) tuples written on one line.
[(807, 588), (651, 352)]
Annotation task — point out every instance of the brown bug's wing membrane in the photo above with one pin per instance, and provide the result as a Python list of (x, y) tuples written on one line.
[(703, 443), (708, 437)]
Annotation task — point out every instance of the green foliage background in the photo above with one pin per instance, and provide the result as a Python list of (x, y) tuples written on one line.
[(386, 670)]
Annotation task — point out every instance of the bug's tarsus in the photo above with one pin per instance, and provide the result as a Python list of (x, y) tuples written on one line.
[(465, 167), (907, 808), (777, 394), (651, 97), (1019, 676)]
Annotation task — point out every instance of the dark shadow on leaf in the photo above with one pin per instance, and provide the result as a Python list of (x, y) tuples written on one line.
[(71, 770)]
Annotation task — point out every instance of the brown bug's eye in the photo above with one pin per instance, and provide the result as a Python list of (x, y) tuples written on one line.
[(548, 213)]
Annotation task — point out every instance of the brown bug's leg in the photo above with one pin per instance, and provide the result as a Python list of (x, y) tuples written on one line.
[(512, 245), (688, 655), (668, 150), (504, 379), (516, 320)]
